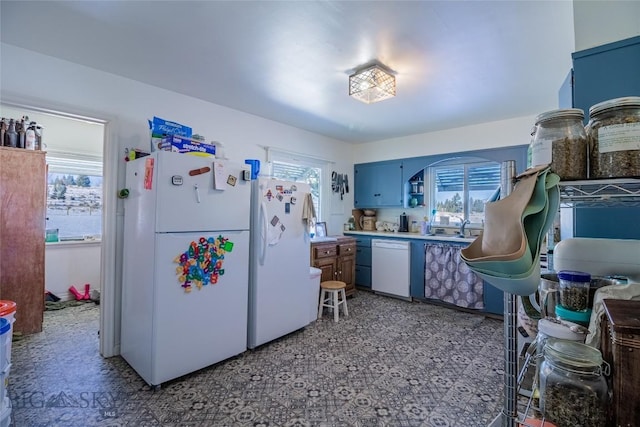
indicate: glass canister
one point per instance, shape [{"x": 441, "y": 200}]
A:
[
  {"x": 574, "y": 289},
  {"x": 351, "y": 223},
  {"x": 559, "y": 139},
  {"x": 559, "y": 329},
  {"x": 573, "y": 390},
  {"x": 614, "y": 138}
]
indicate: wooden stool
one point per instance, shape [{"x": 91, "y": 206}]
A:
[{"x": 330, "y": 297}]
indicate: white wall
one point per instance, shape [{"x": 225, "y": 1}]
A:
[
  {"x": 502, "y": 133},
  {"x": 71, "y": 264},
  {"x": 601, "y": 22}
]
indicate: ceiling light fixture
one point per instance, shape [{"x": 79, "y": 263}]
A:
[{"x": 372, "y": 84}]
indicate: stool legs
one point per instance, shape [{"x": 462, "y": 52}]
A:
[
  {"x": 333, "y": 299},
  {"x": 344, "y": 302},
  {"x": 321, "y": 303}
]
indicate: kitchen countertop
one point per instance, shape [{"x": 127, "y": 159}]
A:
[{"x": 399, "y": 235}]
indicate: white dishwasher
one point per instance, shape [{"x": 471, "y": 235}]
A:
[{"x": 390, "y": 267}]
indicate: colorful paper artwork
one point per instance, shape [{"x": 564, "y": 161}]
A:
[
  {"x": 148, "y": 173},
  {"x": 201, "y": 263}
]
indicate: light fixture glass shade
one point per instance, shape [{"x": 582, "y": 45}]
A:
[{"x": 372, "y": 84}]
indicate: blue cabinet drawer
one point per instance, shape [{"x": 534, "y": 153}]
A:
[
  {"x": 363, "y": 276},
  {"x": 363, "y": 256},
  {"x": 363, "y": 241}
]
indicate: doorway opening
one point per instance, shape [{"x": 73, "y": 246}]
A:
[{"x": 75, "y": 148}]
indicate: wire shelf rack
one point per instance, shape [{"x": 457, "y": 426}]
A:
[{"x": 624, "y": 191}]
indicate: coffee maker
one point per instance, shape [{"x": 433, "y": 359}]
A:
[{"x": 404, "y": 223}]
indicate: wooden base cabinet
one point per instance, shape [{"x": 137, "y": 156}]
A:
[
  {"x": 23, "y": 184},
  {"x": 336, "y": 260}
]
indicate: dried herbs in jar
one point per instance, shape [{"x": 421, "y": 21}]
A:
[
  {"x": 614, "y": 138},
  {"x": 574, "y": 289},
  {"x": 573, "y": 391},
  {"x": 559, "y": 140}
]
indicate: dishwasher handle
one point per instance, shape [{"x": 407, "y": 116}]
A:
[{"x": 390, "y": 244}]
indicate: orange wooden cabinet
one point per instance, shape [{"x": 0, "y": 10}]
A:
[
  {"x": 23, "y": 186},
  {"x": 337, "y": 260}
]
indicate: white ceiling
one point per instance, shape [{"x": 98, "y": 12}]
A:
[{"x": 457, "y": 63}]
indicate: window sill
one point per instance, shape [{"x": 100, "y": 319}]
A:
[{"x": 67, "y": 243}]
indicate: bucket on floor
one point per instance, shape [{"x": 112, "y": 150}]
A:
[
  {"x": 5, "y": 330},
  {"x": 5, "y": 336},
  {"x": 7, "y": 312},
  {"x": 5, "y": 414},
  {"x": 4, "y": 396}
]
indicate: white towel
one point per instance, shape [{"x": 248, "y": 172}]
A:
[
  {"x": 308, "y": 210},
  {"x": 630, "y": 291}
]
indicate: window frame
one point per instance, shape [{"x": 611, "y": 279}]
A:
[
  {"x": 287, "y": 157},
  {"x": 465, "y": 164},
  {"x": 75, "y": 165}
]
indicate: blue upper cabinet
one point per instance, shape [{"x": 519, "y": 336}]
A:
[
  {"x": 599, "y": 74},
  {"x": 606, "y": 72},
  {"x": 378, "y": 184}
]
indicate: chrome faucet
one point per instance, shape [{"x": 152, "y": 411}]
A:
[{"x": 462, "y": 225}]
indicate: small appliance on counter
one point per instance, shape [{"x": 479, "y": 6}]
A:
[{"x": 404, "y": 223}]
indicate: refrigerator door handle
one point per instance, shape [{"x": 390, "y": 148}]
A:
[
  {"x": 197, "y": 190},
  {"x": 263, "y": 232}
]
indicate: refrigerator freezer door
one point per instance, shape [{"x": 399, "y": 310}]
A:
[
  {"x": 186, "y": 198},
  {"x": 208, "y": 324},
  {"x": 278, "y": 302}
]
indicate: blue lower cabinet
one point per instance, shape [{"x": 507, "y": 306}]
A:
[
  {"x": 363, "y": 276},
  {"x": 363, "y": 256},
  {"x": 416, "y": 286},
  {"x": 363, "y": 261},
  {"x": 493, "y": 299}
]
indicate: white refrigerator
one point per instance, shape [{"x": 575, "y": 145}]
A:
[
  {"x": 279, "y": 278},
  {"x": 186, "y": 260}
]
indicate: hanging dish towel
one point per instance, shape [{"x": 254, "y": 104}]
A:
[{"x": 308, "y": 211}]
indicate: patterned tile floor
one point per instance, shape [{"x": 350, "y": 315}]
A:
[{"x": 390, "y": 363}]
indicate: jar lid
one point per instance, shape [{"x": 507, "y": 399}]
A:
[
  {"x": 566, "y": 113},
  {"x": 627, "y": 101},
  {"x": 574, "y": 276},
  {"x": 562, "y": 329},
  {"x": 582, "y": 317},
  {"x": 572, "y": 352}
]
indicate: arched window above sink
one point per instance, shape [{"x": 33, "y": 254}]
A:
[{"x": 459, "y": 188}]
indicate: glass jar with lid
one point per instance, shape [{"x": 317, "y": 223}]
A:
[
  {"x": 574, "y": 289},
  {"x": 573, "y": 390},
  {"x": 614, "y": 138},
  {"x": 559, "y": 140}
]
